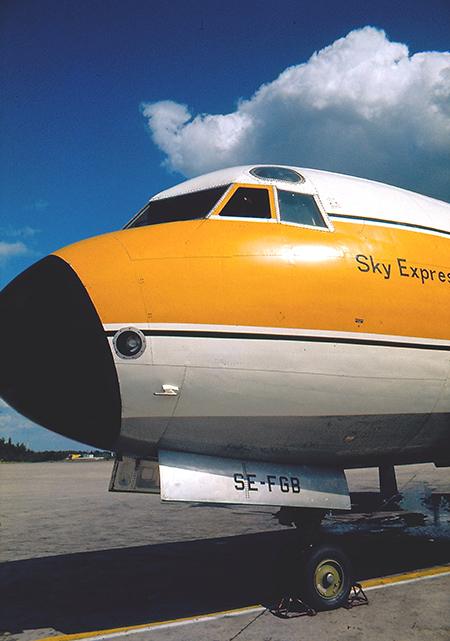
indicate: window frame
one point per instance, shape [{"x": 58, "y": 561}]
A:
[
  {"x": 326, "y": 219},
  {"x": 222, "y": 203}
]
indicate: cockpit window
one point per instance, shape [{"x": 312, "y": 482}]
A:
[
  {"x": 298, "y": 208},
  {"x": 248, "y": 202},
  {"x": 185, "y": 207}
]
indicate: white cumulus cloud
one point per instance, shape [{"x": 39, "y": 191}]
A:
[
  {"x": 18, "y": 248},
  {"x": 16, "y": 243},
  {"x": 10, "y": 250},
  {"x": 361, "y": 106}
]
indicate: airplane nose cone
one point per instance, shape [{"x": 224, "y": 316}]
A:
[{"x": 56, "y": 367}]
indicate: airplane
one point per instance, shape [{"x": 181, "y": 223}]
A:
[{"x": 245, "y": 338}]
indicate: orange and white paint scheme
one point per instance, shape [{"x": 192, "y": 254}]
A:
[{"x": 271, "y": 314}]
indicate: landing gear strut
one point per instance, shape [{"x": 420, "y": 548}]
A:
[
  {"x": 388, "y": 482},
  {"x": 319, "y": 574}
]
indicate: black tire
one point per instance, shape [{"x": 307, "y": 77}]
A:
[{"x": 327, "y": 577}]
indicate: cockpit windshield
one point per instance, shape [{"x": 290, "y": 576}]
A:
[
  {"x": 269, "y": 198},
  {"x": 185, "y": 207},
  {"x": 300, "y": 209}
]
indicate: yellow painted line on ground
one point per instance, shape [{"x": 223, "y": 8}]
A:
[
  {"x": 396, "y": 579},
  {"x": 371, "y": 584},
  {"x": 105, "y": 634}
]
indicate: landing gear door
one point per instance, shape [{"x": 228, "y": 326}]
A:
[
  {"x": 132, "y": 474},
  {"x": 194, "y": 477}
]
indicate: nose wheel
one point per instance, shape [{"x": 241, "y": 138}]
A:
[{"x": 325, "y": 577}]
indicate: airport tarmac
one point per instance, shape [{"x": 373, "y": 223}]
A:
[{"x": 76, "y": 560}]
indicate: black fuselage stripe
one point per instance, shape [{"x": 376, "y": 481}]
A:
[
  {"x": 392, "y": 223},
  {"x": 286, "y": 337}
]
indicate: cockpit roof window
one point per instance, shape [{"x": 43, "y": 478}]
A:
[
  {"x": 300, "y": 209},
  {"x": 278, "y": 173},
  {"x": 185, "y": 207}
]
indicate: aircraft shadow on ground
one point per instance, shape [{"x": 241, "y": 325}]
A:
[{"x": 138, "y": 585}]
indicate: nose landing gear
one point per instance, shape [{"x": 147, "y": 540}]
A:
[
  {"x": 326, "y": 577},
  {"x": 319, "y": 574}
]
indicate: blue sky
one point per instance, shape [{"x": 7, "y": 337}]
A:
[{"x": 107, "y": 102}]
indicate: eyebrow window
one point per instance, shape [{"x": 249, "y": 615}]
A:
[
  {"x": 300, "y": 209},
  {"x": 247, "y": 202}
]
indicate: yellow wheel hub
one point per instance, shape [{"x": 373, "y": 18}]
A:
[{"x": 329, "y": 578}]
